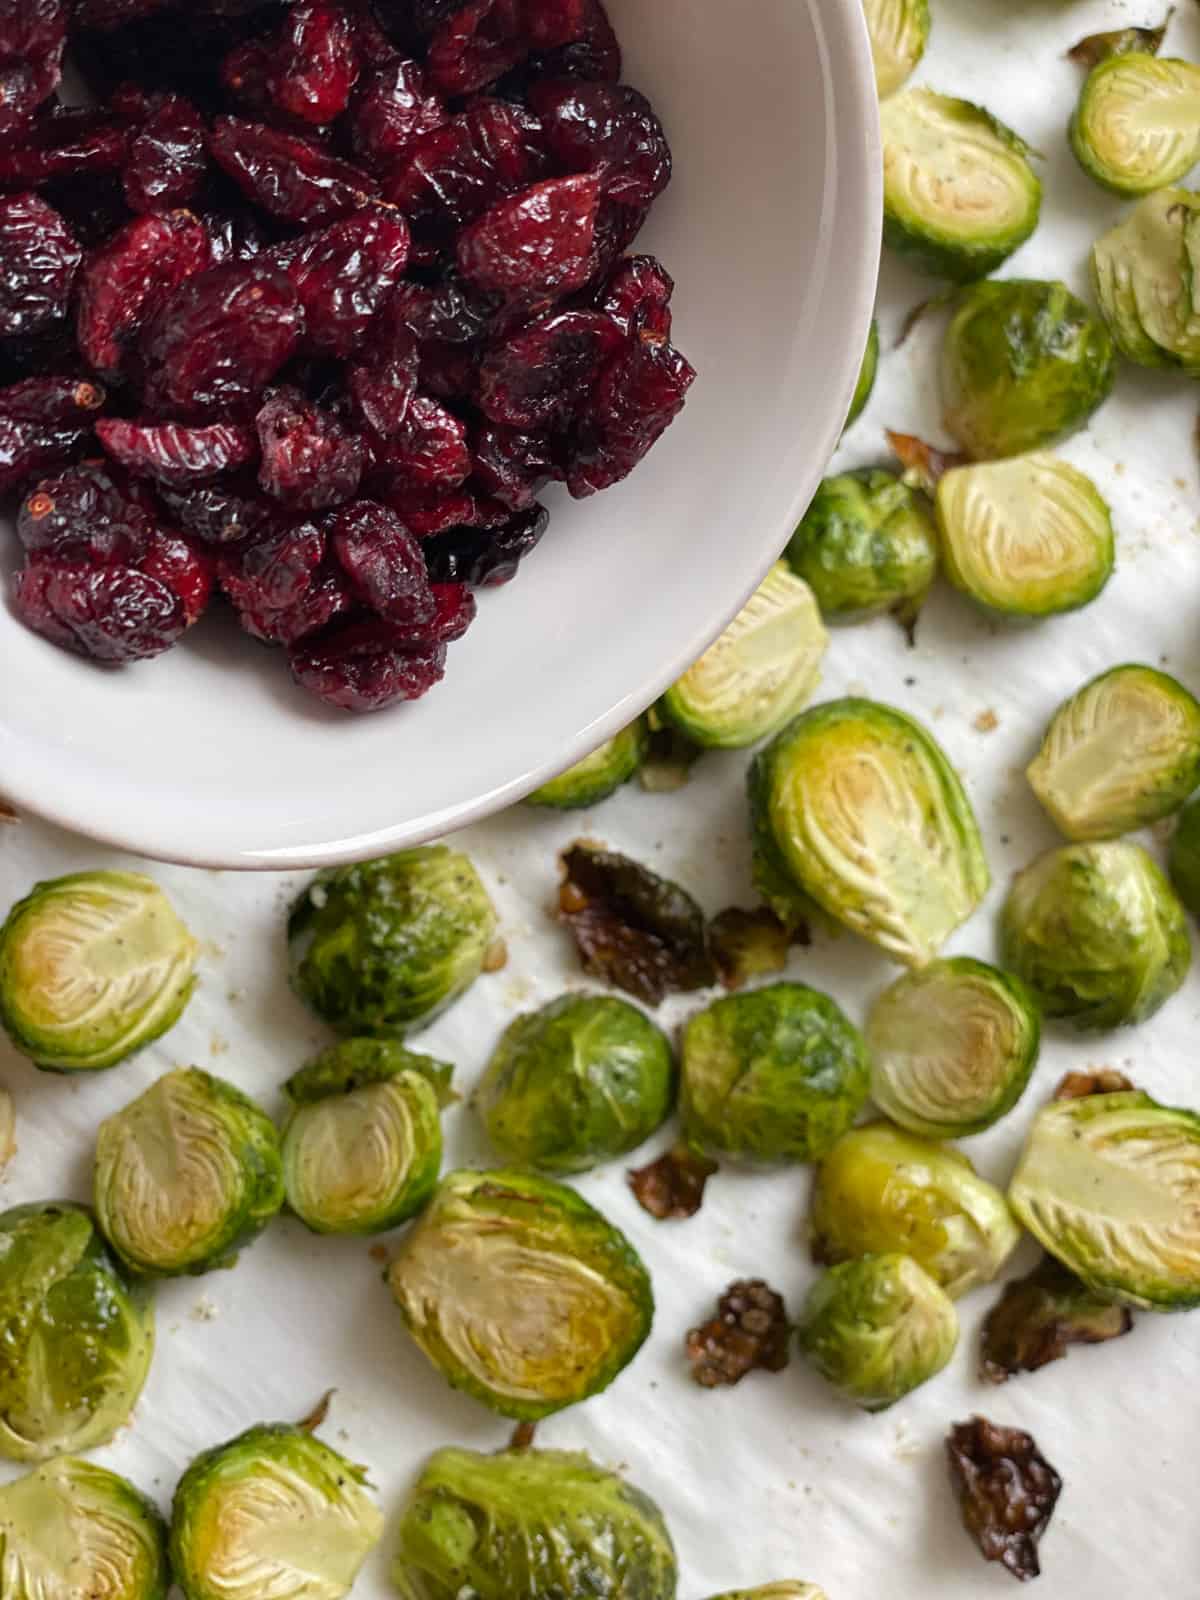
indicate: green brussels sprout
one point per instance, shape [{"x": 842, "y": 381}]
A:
[
  {"x": 1096, "y": 933},
  {"x": 92, "y": 967},
  {"x": 186, "y": 1175},
  {"x": 867, "y": 543},
  {"x": 784, "y": 1589},
  {"x": 878, "y": 1328},
  {"x": 760, "y": 671},
  {"x": 1144, "y": 277},
  {"x": 880, "y": 1190},
  {"x": 70, "y": 1530},
  {"x": 775, "y": 1074},
  {"x": 597, "y": 776},
  {"x": 1122, "y": 752},
  {"x": 382, "y": 948},
  {"x": 952, "y": 1047},
  {"x": 76, "y": 1335},
  {"x": 1110, "y": 1185},
  {"x": 1027, "y": 537},
  {"x": 530, "y": 1525},
  {"x": 856, "y": 809},
  {"x": 1183, "y": 861},
  {"x": 899, "y": 32},
  {"x": 362, "y": 1146},
  {"x": 585, "y": 1079},
  {"x": 272, "y": 1512},
  {"x": 866, "y": 377},
  {"x": 1023, "y": 363},
  {"x": 959, "y": 195},
  {"x": 1136, "y": 127},
  {"x": 520, "y": 1293}
]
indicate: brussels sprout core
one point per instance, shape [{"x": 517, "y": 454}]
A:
[
  {"x": 1143, "y": 271},
  {"x": 866, "y": 376},
  {"x": 1137, "y": 125},
  {"x": 597, "y": 776},
  {"x": 867, "y": 543},
  {"x": 899, "y": 31}
]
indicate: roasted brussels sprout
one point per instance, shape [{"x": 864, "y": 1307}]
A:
[
  {"x": 1096, "y": 933},
  {"x": 362, "y": 1146},
  {"x": 959, "y": 195},
  {"x": 1122, "y": 752},
  {"x": 1028, "y": 537},
  {"x": 380, "y": 949},
  {"x": 899, "y": 32},
  {"x": 92, "y": 967},
  {"x": 866, "y": 543},
  {"x": 952, "y": 1047},
  {"x": 878, "y": 1328},
  {"x": 866, "y": 377},
  {"x": 856, "y": 809},
  {"x": 520, "y": 1292},
  {"x": 760, "y": 671},
  {"x": 76, "y": 1336},
  {"x": 530, "y": 1525},
  {"x": 585, "y": 1079},
  {"x": 775, "y": 1074},
  {"x": 1143, "y": 275},
  {"x": 1183, "y": 862},
  {"x": 879, "y": 1191},
  {"x": 272, "y": 1512},
  {"x": 1110, "y": 1185},
  {"x": 784, "y": 1589},
  {"x": 70, "y": 1530},
  {"x": 597, "y": 776},
  {"x": 186, "y": 1175},
  {"x": 1023, "y": 363},
  {"x": 1136, "y": 127}
]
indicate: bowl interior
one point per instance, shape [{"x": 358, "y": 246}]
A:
[{"x": 771, "y": 229}]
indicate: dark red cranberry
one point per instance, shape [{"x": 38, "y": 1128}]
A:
[
  {"x": 172, "y": 453},
  {"x": 343, "y": 275},
  {"x": 129, "y": 279},
  {"x": 593, "y": 54},
  {"x": 30, "y": 28},
  {"x": 66, "y": 145},
  {"x": 364, "y": 666},
  {"x": 314, "y": 63},
  {"x": 485, "y": 558},
  {"x": 290, "y": 177},
  {"x": 185, "y": 568},
  {"x": 84, "y": 514},
  {"x": 455, "y": 171},
  {"x": 638, "y": 395},
  {"x": 270, "y": 579},
  {"x": 27, "y": 448},
  {"x": 309, "y": 460},
  {"x": 221, "y": 513},
  {"x": 383, "y": 562},
  {"x": 430, "y": 450},
  {"x": 426, "y": 512},
  {"x": 56, "y": 401},
  {"x": 512, "y": 464},
  {"x": 637, "y": 296},
  {"x": 609, "y": 129},
  {"x": 382, "y": 383},
  {"x": 167, "y": 160},
  {"x": 110, "y": 614},
  {"x": 476, "y": 44},
  {"x": 617, "y": 227},
  {"x": 452, "y": 313},
  {"x": 39, "y": 257},
  {"x": 535, "y": 242},
  {"x": 392, "y": 107},
  {"x": 455, "y": 611},
  {"x": 541, "y": 374}
]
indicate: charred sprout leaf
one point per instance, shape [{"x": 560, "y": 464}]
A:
[
  {"x": 672, "y": 1188},
  {"x": 866, "y": 376},
  {"x": 867, "y": 543},
  {"x": 750, "y": 944},
  {"x": 597, "y": 776},
  {"x": 1006, "y": 1491},
  {"x": 1098, "y": 47},
  {"x": 1183, "y": 860},
  {"x": 749, "y": 1331},
  {"x": 8, "y": 812},
  {"x": 670, "y": 756},
  {"x": 1103, "y": 1080},
  {"x": 319, "y": 1413},
  {"x": 924, "y": 464},
  {"x": 1037, "y": 1318},
  {"x": 1136, "y": 127},
  {"x": 632, "y": 928},
  {"x": 899, "y": 32},
  {"x": 1143, "y": 274}
]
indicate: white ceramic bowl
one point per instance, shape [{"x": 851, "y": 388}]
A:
[{"x": 771, "y": 228}]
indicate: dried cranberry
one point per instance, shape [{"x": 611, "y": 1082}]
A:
[
  {"x": 221, "y": 513},
  {"x": 39, "y": 257},
  {"x": 430, "y": 451},
  {"x": 609, "y": 129},
  {"x": 309, "y": 460},
  {"x": 287, "y": 175},
  {"x": 343, "y": 275},
  {"x": 542, "y": 373},
  {"x": 383, "y": 562},
  {"x": 54, "y": 400},
  {"x": 454, "y": 611},
  {"x": 314, "y": 65},
  {"x": 186, "y": 569},
  {"x": 594, "y": 53},
  {"x": 453, "y": 313},
  {"x": 269, "y": 578},
  {"x": 361, "y": 667},
  {"x": 30, "y": 28},
  {"x": 127, "y": 282},
  {"x": 381, "y": 386},
  {"x": 63, "y": 146},
  {"x": 174, "y": 454},
  {"x": 392, "y": 107},
  {"x": 637, "y": 296},
  {"x": 454, "y": 172},
  {"x": 485, "y": 558},
  {"x": 534, "y": 242},
  {"x": 24, "y": 86},
  {"x": 426, "y": 512},
  {"x": 512, "y": 464},
  {"x": 116, "y": 13},
  {"x": 475, "y": 45},
  {"x": 372, "y": 43},
  {"x": 30, "y": 447},
  {"x": 111, "y": 614},
  {"x": 246, "y": 76},
  {"x": 166, "y": 161},
  {"x": 84, "y": 514},
  {"x": 638, "y": 395},
  {"x": 549, "y": 24},
  {"x": 616, "y": 228},
  {"x": 235, "y": 233}
]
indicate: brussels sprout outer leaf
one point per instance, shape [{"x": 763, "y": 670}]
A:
[
  {"x": 1006, "y": 1490},
  {"x": 1183, "y": 861},
  {"x": 866, "y": 375},
  {"x": 1039, "y": 1317},
  {"x": 899, "y": 31},
  {"x": 1143, "y": 274},
  {"x": 598, "y": 775},
  {"x": 357, "y": 1063},
  {"x": 1136, "y": 127}
]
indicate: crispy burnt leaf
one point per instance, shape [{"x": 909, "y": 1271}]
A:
[
  {"x": 1100, "y": 1080},
  {"x": 749, "y": 1330},
  {"x": 1006, "y": 1490},
  {"x": 923, "y": 463},
  {"x": 1037, "y": 1318},
  {"x": 672, "y": 1188},
  {"x": 1098, "y": 47},
  {"x": 748, "y": 944}
]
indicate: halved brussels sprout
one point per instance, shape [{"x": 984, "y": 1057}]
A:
[
  {"x": 759, "y": 673},
  {"x": 362, "y": 1146},
  {"x": 186, "y": 1175},
  {"x": 1137, "y": 124},
  {"x": 877, "y": 1329},
  {"x": 1096, "y": 933},
  {"x": 92, "y": 967},
  {"x": 272, "y": 1512},
  {"x": 856, "y": 808},
  {"x": 775, "y": 1074},
  {"x": 73, "y": 1531},
  {"x": 597, "y": 776},
  {"x": 1183, "y": 861},
  {"x": 1110, "y": 1184},
  {"x": 1027, "y": 537},
  {"x": 880, "y": 1191},
  {"x": 1122, "y": 752},
  {"x": 866, "y": 377},
  {"x": 784, "y": 1589},
  {"x": 1144, "y": 276},
  {"x": 952, "y": 1047},
  {"x": 530, "y": 1525},
  {"x": 76, "y": 1336},
  {"x": 1023, "y": 363},
  {"x": 521, "y": 1293},
  {"x": 585, "y": 1079},
  {"x": 866, "y": 543},
  {"x": 899, "y": 32},
  {"x": 959, "y": 195},
  {"x": 382, "y": 948}
]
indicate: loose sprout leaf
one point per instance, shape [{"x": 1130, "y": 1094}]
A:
[
  {"x": 899, "y": 31},
  {"x": 318, "y": 1414},
  {"x": 1097, "y": 47},
  {"x": 1006, "y": 1490},
  {"x": 750, "y": 1331},
  {"x": 1039, "y": 1317},
  {"x": 1100, "y": 1080},
  {"x": 1143, "y": 275},
  {"x": 671, "y": 1188},
  {"x": 751, "y": 944},
  {"x": 1136, "y": 127}
]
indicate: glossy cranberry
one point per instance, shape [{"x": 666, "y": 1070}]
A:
[
  {"x": 452, "y": 313},
  {"x": 426, "y": 512},
  {"x": 541, "y": 374},
  {"x": 392, "y": 108},
  {"x": 382, "y": 383},
  {"x": 289, "y": 176},
  {"x": 166, "y": 160},
  {"x": 52, "y": 400},
  {"x": 111, "y": 614},
  {"x": 637, "y": 296},
  {"x": 314, "y": 63},
  {"x": 27, "y": 448},
  {"x": 84, "y": 514},
  {"x": 455, "y": 611},
  {"x": 128, "y": 281},
  {"x": 511, "y": 463},
  {"x": 364, "y": 666},
  {"x": 383, "y": 562},
  {"x": 269, "y": 578},
  {"x": 475, "y": 45},
  {"x": 175, "y": 454},
  {"x": 638, "y": 395},
  {"x": 221, "y": 513},
  {"x": 343, "y": 275},
  {"x": 486, "y": 558},
  {"x": 455, "y": 171},
  {"x": 593, "y": 54},
  {"x": 32, "y": 36},
  {"x": 535, "y": 242},
  {"x": 185, "y": 568},
  {"x": 63, "y": 146},
  {"x": 609, "y": 129},
  {"x": 430, "y": 450},
  {"x": 39, "y": 258},
  {"x": 309, "y": 460}
]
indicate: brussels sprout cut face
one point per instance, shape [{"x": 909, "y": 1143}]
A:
[
  {"x": 527, "y": 1525},
  {"x": 76, "y": 1336},
  {"x": 520, "y": 1292},
  {"x": 585, "y": 1079},
  {"x": 878, "y": 1329},
  {"x": 1111, "y": 1186},
  {"x": 776, "y": 1074},
  {"x": 857, "y": 809},
  {"x": 959, "y": 195},
  {"x": 186, "y": 1175},
  {"x": 1028, "y": 537},
  {"x": 866, "y": 376},
  {"x": 1183, "y": 863},
  {"x": 1143, "y": 273},
  {"x": 785, "y": 1589},
  {"x": 952, "y": 1047},
  {"x": 880, "y": 1191},
  {"x": 899, "y": 31},
  {"x": 597, "y": 776},
  {"x": 92, "y": 967},
  {"x": 1096, "y": 933},
  {"x": 759, "y": 673},
  {"x": 1023, "y": 363},
  {"x": 273, "y": 1512},
  {"x": 1137, "y": 125}
]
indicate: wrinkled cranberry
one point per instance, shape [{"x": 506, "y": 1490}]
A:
[
  {"x": 314, "y": 64},
  {"x": 186, "y": 569},
  {"x": 343, "y": 275},
  {"x": 127, "y": 282},
  {"x": 309, "y": 460},
  {"x": 475, "y": 45},
  {"x": 455, "y": 171},
  {"x": 383, "y": 562},
  {"x": 616, "y": 228},
  {"x": 430, "y": 450},
  {"x": 512, "y": 464},
  {"x": 549, "y": 24},
  {"x": 221, "y": 513},
  {"x": 63, "y": 146},
  {"x": 609, "y": 129},
  {"x": 39, "y": 257},
  {"x": 454, "y": 611},
  {"x": 289, "y": 176},
  {"x": 535, "y": 242},
  {"x": 30, "y": 447},
  {"x": 542, "y": 373},
  {"x": 593, "y": 53},
  {"x": 268, "y": 578},
  {"x": 84, "y": 514},
  {"x": 55, "y": 400},
  {"x": 453, "y": 313},
  {"x": 32, "y": 36},
  {"x": 174, "y": 454},
  {"x": 116, "y": 13},
  {"x": 426, "y": 512},
  {"x": 637, "y": 296},
  {"x": 111, "y": 614},
  {"x": 392, "y": 108},
  {"x": 246, "y": 75},
  {"x": 363, "y": 667},
  {"x": 235, "y": 233},
  {"x": 167, "y": 161},
  {"x": 370, "y": 40},
  {"x": 638, "y": 395},
  {"x": 381, "y": 384},
  {"x": 485, "y": 558}
]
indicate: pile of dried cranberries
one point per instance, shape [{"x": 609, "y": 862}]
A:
[{"x": 305, "y": 308}]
